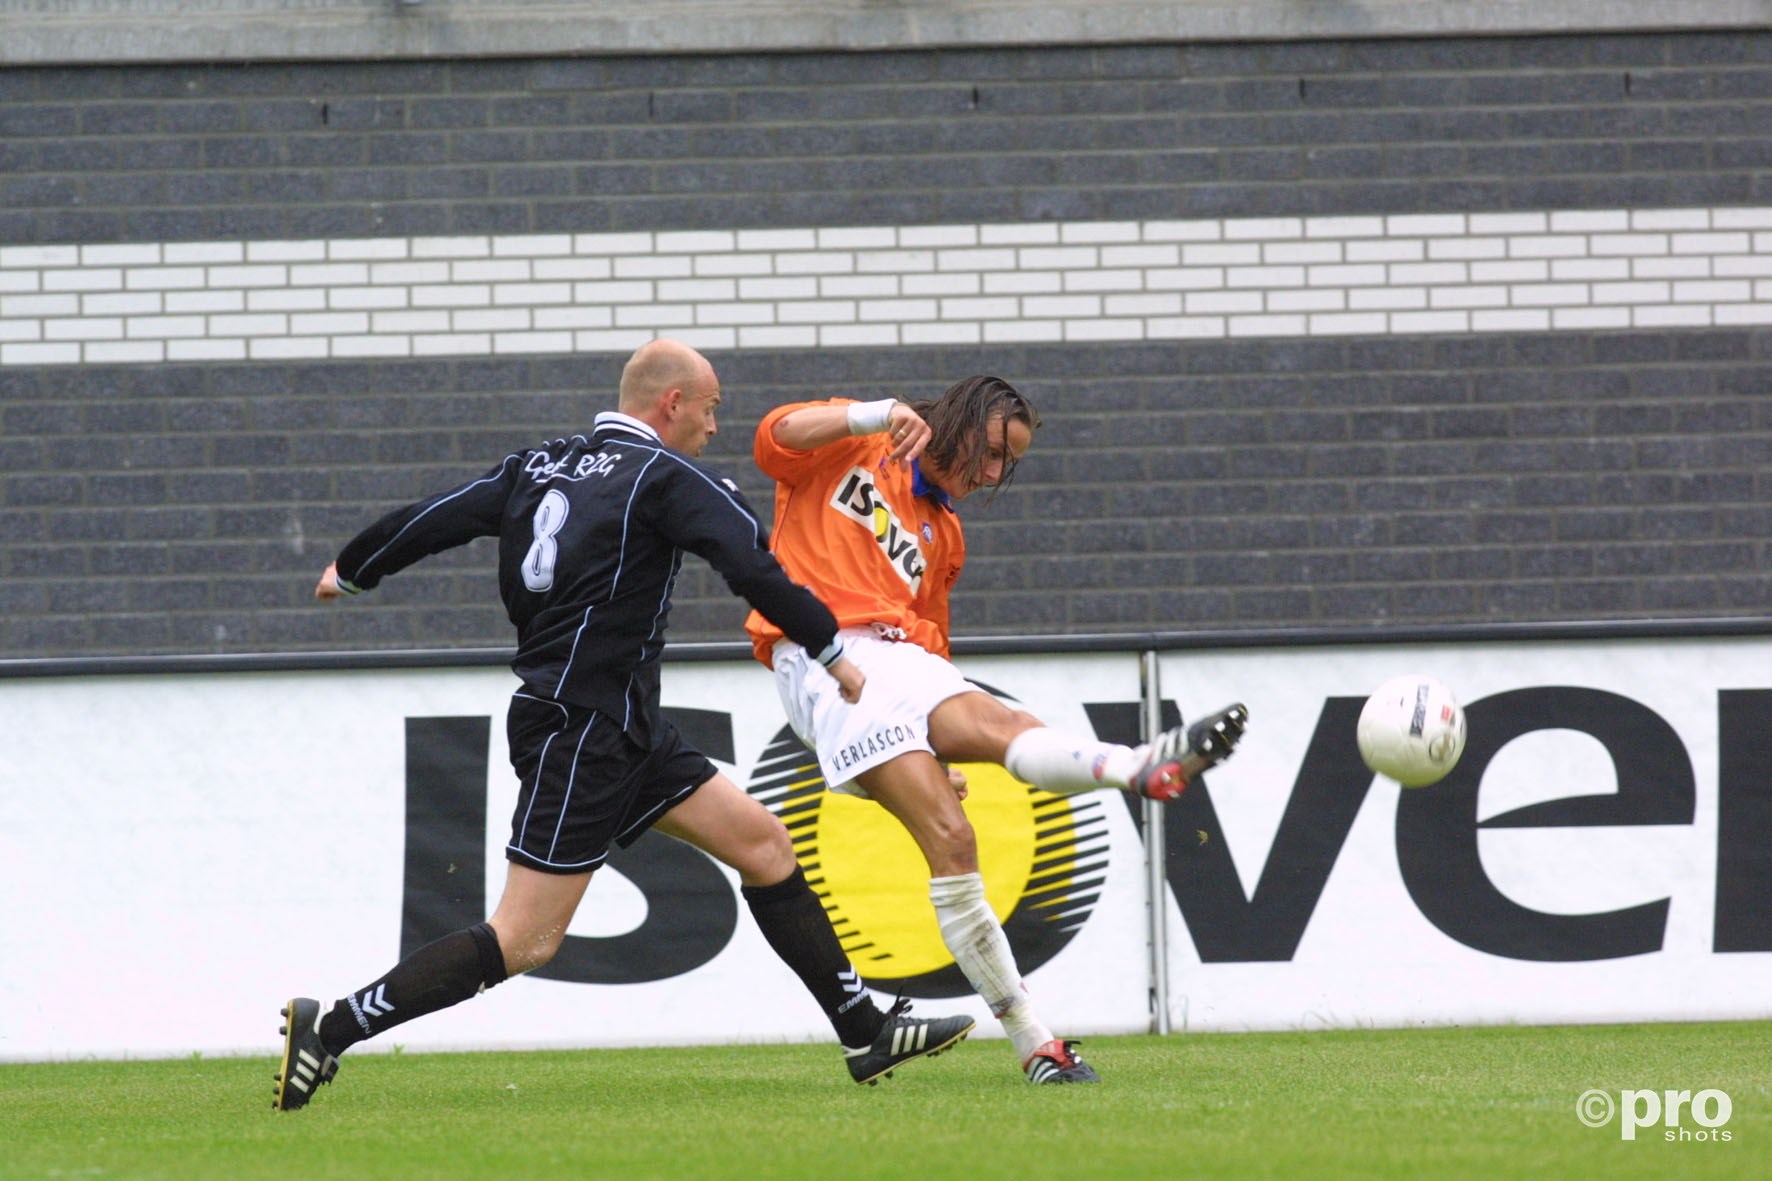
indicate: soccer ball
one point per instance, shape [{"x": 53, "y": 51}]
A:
[{"x": 1411, "y": 729}]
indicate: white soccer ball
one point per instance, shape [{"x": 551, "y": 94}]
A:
[{"x": 1412, "y": 729}]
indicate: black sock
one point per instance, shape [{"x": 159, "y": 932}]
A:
[
  {"x": 439, "y": 974},
  {"x": 794, "y": 922}
]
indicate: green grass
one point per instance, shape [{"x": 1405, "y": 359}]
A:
[{"x": 1490, "y": 1103}]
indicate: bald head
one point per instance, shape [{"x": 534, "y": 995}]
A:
[
  {"x": 657, "y": 368},
  {"x": 673, "y": 388}
]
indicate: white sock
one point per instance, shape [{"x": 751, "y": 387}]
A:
[
  {"x": 980, "y": 948},
  {"x": 1065, "y": 764}
]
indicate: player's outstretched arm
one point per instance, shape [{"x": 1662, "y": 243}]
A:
[
  {"x": 812, "y": 427},
  {"x": 430, "y": 526}
]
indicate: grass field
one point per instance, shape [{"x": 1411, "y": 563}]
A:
[{"x": 1491, "y": 1103}]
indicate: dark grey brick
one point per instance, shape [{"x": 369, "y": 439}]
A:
[
  {"x": 491, "y": 217},
  {"x": 1595, "y": 523},
  {"x": 24, "y": 598},
  {"x": 1598, "y": 598},
  {"x": 87, "y": 597},
  {"x": 1745, "y": 592},
  {"x": 29, "y": 119},
  {"x": 79, "y": 225},
  {"x": 119, "y": 489},
  {"x": 82, "y": 524},
  {"x": 1473, "y": 492},
  {"x": 1554, "y": 561},
  {"x": 36, "y": 635},
  {"x": 130, "y": 561},
  {"x": 1714, "y": 487},
  {"x": 131, "y": 632},
  {"x": 1517, "y": 599},
  {"x": 167, "y": 524},
  {"x": 46, "y": 561},
  {"x": 330, "y": 221},
  {"x": 1473, "y": 564},
  {"x": 46, "y": 489},
  {"x": 1551, "y": 491},
  {"x": 1677, "y": 594}
]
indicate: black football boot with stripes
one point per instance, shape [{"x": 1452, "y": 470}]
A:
[
  {"x": 1178, "y": 756},
  {"x": 306, "y": 1064},
  {"x": 902, "y": 1038},
  {"x": 1057, "y": 1062}
]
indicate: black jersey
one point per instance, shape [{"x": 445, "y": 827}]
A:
[{"x": 591, "y": 534}]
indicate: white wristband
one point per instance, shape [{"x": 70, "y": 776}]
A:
[
  {"x": 832, "y": 653},
  {"x": 870, "y": 418}
]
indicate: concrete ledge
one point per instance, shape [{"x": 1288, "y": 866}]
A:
[{"x": 68, "y": 32}]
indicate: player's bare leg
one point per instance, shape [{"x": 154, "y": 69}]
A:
[
  {"x": 916, "y": 789},
  {"x": 533, "y": 914},
  {"x": 728, "y": 825}
]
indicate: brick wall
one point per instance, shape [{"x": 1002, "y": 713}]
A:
[{"x": 1324, "y": 333}]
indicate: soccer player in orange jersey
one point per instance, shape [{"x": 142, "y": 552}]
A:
[{"x": 864, "y": 516}]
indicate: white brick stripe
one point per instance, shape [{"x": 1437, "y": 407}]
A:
[{"x": 876, "y": 286}]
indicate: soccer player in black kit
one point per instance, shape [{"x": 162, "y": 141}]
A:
[{"x": 591, "y": 533}]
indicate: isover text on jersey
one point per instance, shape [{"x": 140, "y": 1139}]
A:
[{"x": 858, "y": 499}]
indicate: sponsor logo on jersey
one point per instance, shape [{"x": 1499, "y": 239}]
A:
[{"x": 859, "y": 499}]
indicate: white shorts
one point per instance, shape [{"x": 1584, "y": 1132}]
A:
[{"x": 904, "y": 685}]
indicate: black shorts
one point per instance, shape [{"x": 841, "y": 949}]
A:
[{"x": 584, "y": 783}]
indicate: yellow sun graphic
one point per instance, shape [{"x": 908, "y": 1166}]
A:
[
  {"x": 878, "y": 882},
  {"x": 1043, "y": 858}
]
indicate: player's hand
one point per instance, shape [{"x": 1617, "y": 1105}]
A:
[
  {"x": 910, "y": 434},
  {"x": 850, "y": 679},
  {"x": 327, "y": 589},
  {"x": 957, "y": 781}
]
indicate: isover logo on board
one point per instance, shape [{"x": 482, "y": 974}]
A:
[
  {"x": 858, "y": 499},
  {"x": 1043, "y": 858}
]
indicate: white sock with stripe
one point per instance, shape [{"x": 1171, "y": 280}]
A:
[
  {"x": 980, "y": 948},
  {"x": 1066, "y": 764}
]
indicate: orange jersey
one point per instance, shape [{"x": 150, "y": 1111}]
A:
[{"x": 849, "y": 526}]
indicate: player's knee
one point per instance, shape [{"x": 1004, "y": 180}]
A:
[
  {"x": 526, "y": 951},
  {"x": 950, "y": 846},
  {"x": 769, "y": 857}
]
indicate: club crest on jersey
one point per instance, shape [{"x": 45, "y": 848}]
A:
[{"x": 858, "y": 499}]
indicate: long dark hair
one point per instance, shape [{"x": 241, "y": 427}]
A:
[{"x": 960, "y": 421}]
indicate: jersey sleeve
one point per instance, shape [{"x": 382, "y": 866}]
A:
[
  {"x": 429, "y": 526},
  {"x": 790, "y": 466},
  {"x": 705, "y": 514}
]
